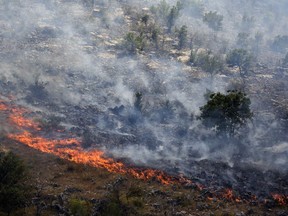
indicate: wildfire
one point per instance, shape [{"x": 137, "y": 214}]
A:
[
  {"x": 229, "y": 195},
  {"x": 280, "y": 199},
  {"x": 22, "y": 122},
  {"x": 72, "y": 150}
]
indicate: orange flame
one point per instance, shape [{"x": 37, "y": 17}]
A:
[
  {"x": 280, "y": 199},
  {"x": 22, "y": 122},
  {"x": 229, "y": 195},
  {"x": 71, "y": 149}
]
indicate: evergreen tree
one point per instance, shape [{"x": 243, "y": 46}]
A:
[
  {"x": 226, "y": 113},
  {"x": 182, "y": 37},
  {"x": 213, "y": 20}
]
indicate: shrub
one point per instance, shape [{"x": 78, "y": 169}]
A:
[
  {"x": 79, "y": 207},
  {"x": 134, "y": 42},
  {"x": 13, "y": 191},
  {"x": 209, "y": 62},
  {"x": 240, "y": 58}
]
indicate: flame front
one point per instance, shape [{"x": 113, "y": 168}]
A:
[{"x": 72, "y": 150}]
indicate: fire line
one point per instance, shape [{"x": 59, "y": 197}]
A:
[{"x": 72, "y": 150}]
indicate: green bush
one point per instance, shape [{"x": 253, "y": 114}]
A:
[
  {"x": 79, "y": 207},
  {"x": 133, "y": 42},
  {"x": 209, "y": 62},
  {"x": 113, "y": 205},
  {"x": 13, "y": 191}
]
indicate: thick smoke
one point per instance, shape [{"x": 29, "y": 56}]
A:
[{"x": 63, "y": 57}]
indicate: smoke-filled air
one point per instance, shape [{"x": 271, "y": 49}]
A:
[{"x": 191, "y": 90}]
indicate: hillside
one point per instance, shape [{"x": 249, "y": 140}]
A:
[
  {"x": 147, "y": 107},
  {"x": 55, "y": 182}
]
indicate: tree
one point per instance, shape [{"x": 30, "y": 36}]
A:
[
  {"x": 240, "y": 58},
  {"x": 162, "y": 10},
  {"x": 213, "y": 20},
  {"x": 166, "y": 14},
  {"x": 226, "y": 113},
  {"x": 12, "y": 189},
  {"x": 171, "y": 19},
  {"x": 138, "y": 101},
  {"x": 182, "y": 37}
]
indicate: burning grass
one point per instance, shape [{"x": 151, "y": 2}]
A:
[
  {"x": 70, "y": 149},
  {"x": 53, "y": 177}
]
